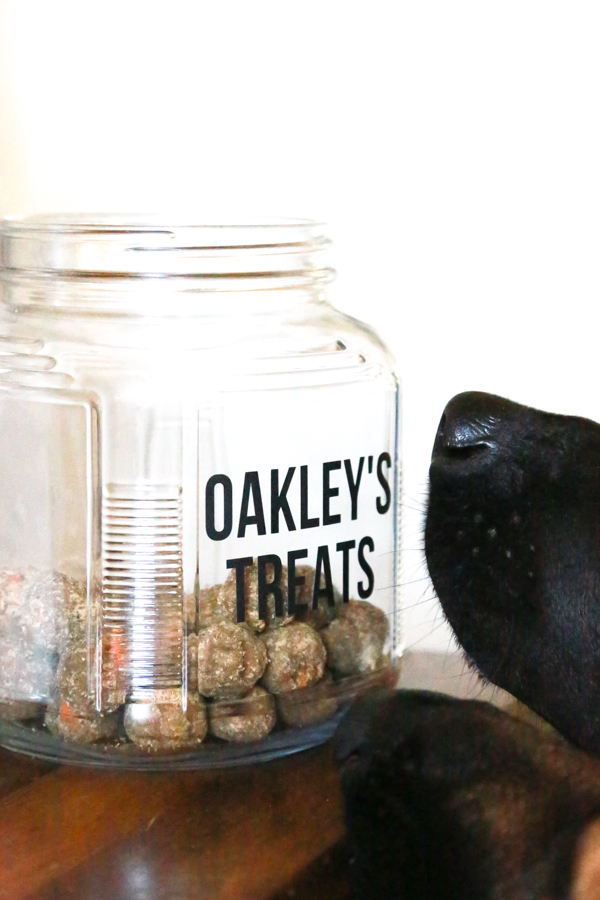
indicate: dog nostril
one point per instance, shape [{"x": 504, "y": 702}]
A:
[{"x": 462, "y": 453}]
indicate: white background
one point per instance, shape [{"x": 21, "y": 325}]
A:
[{"x": 453, "y": 147}]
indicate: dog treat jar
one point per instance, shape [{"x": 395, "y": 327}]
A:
[{"x": 198, "y": 482}]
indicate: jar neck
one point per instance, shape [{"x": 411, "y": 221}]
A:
[
  {"x": 130, "y": 266},
  {"x": 144, "y": 298}
]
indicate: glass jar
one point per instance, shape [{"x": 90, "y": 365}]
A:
[{"x": 198, "y": 483}]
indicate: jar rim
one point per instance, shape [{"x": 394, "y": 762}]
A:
[
  {"x": 111, "y": 244},
  {"x": 127, "y": 223}
]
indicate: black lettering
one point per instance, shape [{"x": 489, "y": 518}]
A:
[
  {"x": 305, "y": 522},
  {"x": 345, "y": 547},
  {"x": 294, "y": 581},
  {"x": 383, "y": 507},
  {"x": 279, "y": 500},
  {"x": 240, "y": 589},
  {"x": 323, "y": 567},
  {"x": 269, "y": 587},
  {"x": 364, "y": 592},
  {"x": 352, "y": 484},
  {"x": 211, "y": 530},
  {"x": 251, "y": 486},
  {"x": 329, "y": 492}
]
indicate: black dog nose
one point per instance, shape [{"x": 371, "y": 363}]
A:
[
  {"x": 470, "y": 424},
  {"x": 469, "y": 419}
]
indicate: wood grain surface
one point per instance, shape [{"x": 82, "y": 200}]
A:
[{"x": 264, "y": 832}]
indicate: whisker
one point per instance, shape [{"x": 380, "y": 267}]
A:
[
  {"x": 418, "y": 603},
  {"x": 425, "y": 636},
  {"x": 415, "y": 581},
  {"x": 492, "y": 677}
]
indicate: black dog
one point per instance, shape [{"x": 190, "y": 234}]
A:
[{"x": 455, "y": 799}]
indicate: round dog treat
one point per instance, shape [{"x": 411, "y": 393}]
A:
[
  {"x": 30, "y": 602},
  {"x": 20, "y": 710},
  {"x": 304, "y": 591},
  {"x": 61, "y": 720},
  {"x": 37, "y": 610},
  {"x": 11, "y": 589},
  {"x": 224, "y": 605},
  {"x": 27, "y": 670},
  {"x": 189, "y": 612},
  {"x": 297, "y": 658},
  {"x": 308, "y": 705},
  {"x": 165, "y": 727},
  {"x": 244, "y": 720},
  {"x": 73, "y": 683},
  {"x": 192, "y": 661},
  {"x": 304, "y": 612},
  {"x": 209, "y": 608},
  {"x": 55, "y": 606},
  {"x": 356, "y": 639},
  {"x": 231, "y": 659}
]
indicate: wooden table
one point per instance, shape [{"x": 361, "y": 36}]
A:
[{"x": 268, "y": 832}]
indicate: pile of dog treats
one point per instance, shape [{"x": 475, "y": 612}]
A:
[{"x": 243, "y": 679}]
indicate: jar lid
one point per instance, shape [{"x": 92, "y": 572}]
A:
[{"x": 107, "y": 245}]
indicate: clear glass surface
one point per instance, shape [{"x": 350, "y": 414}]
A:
[{"x": 198, "y": 493}]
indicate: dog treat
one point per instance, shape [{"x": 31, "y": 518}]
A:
[
  {"x": 297, "y": 658},
  {"x": 355, "y": 640},
  {"x": 241, "y": 677},
  {"x": 72, "y": 712},
  {"x": 192, "y": 662},
  {"x": 308, "y": 705},
  {"x": 62, "y": 597},
  {"x": 304, "y": 612},
  {"x": 244, "y": 720},
  {"x": 231, "y": 659},
  {"x": 27, "y": 670},
  {"x": 209, "y": 608},
  {"x": 189, "y": 613},
  {"x": 223, "y": 603},
  {"x": 15, "y": 617},
  {"x": 63, "y": 721},
  {"x": 39, "y": 614},
  {"x": 73, "y": 682},
  {"x": 165, "y": 727},
  {"x": 47, "y": 606},
  {"x": 20, "y": 710}
]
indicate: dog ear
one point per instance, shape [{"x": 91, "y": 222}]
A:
[{"x": 586, "y": 869}]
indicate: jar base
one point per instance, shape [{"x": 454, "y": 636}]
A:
[
  {"x": 212, "y": 754},
  {"x": 19, "y": 739}
]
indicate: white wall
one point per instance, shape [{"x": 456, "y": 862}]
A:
[{"x": 454, "y": 148}]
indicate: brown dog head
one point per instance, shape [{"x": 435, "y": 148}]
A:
[{"x": 452, "y": 799}]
